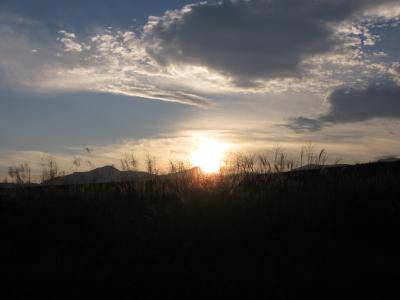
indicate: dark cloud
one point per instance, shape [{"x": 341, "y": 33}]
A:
[
  {"x": 302, "y": 124},
  {"x": 377, "y": 100},
  {"x": 249, "y": 40}
]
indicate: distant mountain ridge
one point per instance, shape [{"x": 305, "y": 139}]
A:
[
  {"x": 99, "y": 175},
  {"x": 109, "y": 174},
  {"x": 388, "y": 159},
  {"x": 317, "y": 167}
]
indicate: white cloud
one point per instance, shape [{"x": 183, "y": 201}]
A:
[{"x": 70, "y": 42}]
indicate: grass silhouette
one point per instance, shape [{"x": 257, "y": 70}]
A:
[{"x": 259, "y": 228}]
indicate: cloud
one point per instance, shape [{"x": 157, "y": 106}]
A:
[
  {"x": 250, "y": 40},
  {"x": 33, "y": 60},
  {"x": 379, "y": 99},
  {"x": 70, "y": 42},
  {"x": 194, "y": 55},
  {"x": 388, "y": 11},
  {"x": 303, "y": 124}
]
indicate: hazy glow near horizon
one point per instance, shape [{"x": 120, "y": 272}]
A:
[{"x": 209, "y": 155}]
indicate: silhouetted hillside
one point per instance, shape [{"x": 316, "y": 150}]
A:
[
  {"x": 109, "y": 174},
  {"x": 319, "y": 167},
  {"x": 99, "y": 175}
]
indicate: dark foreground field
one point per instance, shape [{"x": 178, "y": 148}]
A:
[{"x": 330, "y": 233}]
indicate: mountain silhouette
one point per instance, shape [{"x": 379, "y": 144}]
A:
[
  {"x": 109, "y": 174},
  {"x": 99, "y": 175}
]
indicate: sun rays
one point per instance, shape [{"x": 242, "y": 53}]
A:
[{"x": 209, "y": 155}]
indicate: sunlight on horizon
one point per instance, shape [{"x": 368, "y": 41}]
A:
[{"x": 209, "y": 155}]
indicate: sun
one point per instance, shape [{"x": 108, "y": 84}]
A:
[{"x": 209, "y": 155}]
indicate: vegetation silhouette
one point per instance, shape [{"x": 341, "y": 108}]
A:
[{"x": 278, "y": 228}]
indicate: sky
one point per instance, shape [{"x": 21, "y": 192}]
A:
[{"x": 157, "y": 77}]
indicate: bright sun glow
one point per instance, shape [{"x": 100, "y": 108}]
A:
[{"x": 209, "y": 154}]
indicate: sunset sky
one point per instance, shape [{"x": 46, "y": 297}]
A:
[{"x": 162, "y": 76}]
